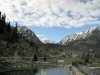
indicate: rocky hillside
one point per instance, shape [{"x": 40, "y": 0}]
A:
[
  {"x": 29, "y": 34},
  {"x": 76, "y": 36}
]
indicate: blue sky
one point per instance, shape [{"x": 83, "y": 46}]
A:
[{"x": 53, "y": 19}]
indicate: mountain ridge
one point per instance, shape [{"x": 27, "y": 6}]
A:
[{"x": 76, "y": 36}]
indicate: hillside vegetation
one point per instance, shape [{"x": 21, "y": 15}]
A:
[{"x": 11, "y": 40}]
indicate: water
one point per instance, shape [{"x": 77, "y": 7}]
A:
[
  {"x": 36, "y": 71},
  {"x": 95, "y": 71}
]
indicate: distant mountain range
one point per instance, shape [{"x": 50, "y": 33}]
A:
[
  {"x": 79, "y": 41},
  {"x": 89, "y": 39}
]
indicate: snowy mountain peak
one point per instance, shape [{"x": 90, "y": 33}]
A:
[
  {"x": 76, "y": 36},
  {"x": 47, "y": 40}
]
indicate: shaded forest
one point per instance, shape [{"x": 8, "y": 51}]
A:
[{"x": 11, "y": 41}]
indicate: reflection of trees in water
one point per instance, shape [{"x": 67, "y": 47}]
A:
[
  {"x": 35, "y": 70},
  {"x": 31, "y": 72},
  {"x": 38, "y": 71},
  {"x": 43, "y": 72}
]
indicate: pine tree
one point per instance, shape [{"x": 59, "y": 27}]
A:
[
  {"x": 8, "y": 32},
  {"x": 2, "y": 23},
  {"x": 15, "y": 34},
  {"x": 9, "y": 27},
  {"x": 0, "y": 15},
  {"x": 35, "y": 58}
]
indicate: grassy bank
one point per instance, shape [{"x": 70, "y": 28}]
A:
[
  {"x": 67, "y": 60},
  {"x": 94, "y": 65}
]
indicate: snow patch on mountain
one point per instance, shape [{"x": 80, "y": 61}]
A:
[{"x": 47, "y": 40}]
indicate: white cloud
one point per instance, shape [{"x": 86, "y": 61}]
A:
[{"x": 52, "y": 13}]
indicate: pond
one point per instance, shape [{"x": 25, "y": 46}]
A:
[{"x": 37, "y": 71}]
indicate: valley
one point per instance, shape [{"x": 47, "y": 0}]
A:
[{"x": 21, "y": 49}]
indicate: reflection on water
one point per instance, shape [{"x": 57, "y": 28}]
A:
[
  {"x": 95, "y": 71},
  {"x": 49, "y": 71},
  {"x": 53, "y": 71}
]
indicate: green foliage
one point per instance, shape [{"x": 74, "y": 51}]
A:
[{"x": 95, "y": 65}]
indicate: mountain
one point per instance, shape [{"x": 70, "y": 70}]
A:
[
  {"x": 47, "y": 41},
  {"x": 29, "y": 34},
  {"x": 89, "y": 39},
  {"x": 76, "y": 36}
]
